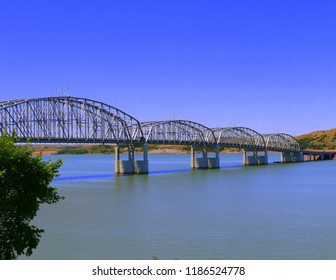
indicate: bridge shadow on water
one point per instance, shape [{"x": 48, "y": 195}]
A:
[{"x": 110, "y": 175}]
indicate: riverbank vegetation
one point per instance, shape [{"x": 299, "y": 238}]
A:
[{"x": 24, "y": 185}]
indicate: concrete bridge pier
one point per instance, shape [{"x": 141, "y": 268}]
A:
[
  {"x": 204, "y": 161},
  {"x": 309, "y": 157},
  {"x": 213, "y": 162},
  {"x": 199, "y": 162},
  {"x": 131, "y": 166},
  {"x": 141, "y": 166},
  {"x": 252, "y": 158},
  {"x": 291, "y": 157},
  {"x": 318, "y": 155}
]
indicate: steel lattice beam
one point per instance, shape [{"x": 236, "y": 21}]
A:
[
  {"x": 67, "y": 119},
  {"x": 239, "y": 137},
  {"x": 81, "y": 120},
  {"x": 281, "y": 142},
  {"x": 177, "y": 132}
]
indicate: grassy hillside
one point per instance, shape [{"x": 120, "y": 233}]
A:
[{"x": 321, "y": 140}]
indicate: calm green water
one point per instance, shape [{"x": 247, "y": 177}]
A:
[{"x": 279, "y": 211}]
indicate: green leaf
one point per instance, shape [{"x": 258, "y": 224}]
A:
[{"x": 24, "y": 185}]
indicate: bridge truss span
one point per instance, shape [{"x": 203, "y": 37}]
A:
[
  {"x": 67, "y": 119},
  {"x": 177, "y": 132},
  {"x": 239, "y": 137},
  {"x": 281, "y": 142}
]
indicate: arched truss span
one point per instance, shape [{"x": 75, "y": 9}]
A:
[
  {"x": 67, "y": 119},
  {"x": 177, "y": 132},
  {"x": 281, "y": 142},
  {"x": 239, "y": 137},
  {"x": 81, "y": 120}
]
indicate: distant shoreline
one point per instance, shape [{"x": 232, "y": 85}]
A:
[
  {"x": 76, "y": 150},
  {"x": 66, "y": 150},
  {"x": 324, "y": 140},
  {"x": 153, "y": 152}
]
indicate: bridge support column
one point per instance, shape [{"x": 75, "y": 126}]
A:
[
  {"x": 141, "y": 166},
  {"x": 199, "y": 162},
  {"x": 307, "y": 157},
  {"x": 291, "y": 157},
  {"x": 204, "y": 161},
  {"x": 116, "y": 159},
  {"x": 131, "y": 166},
  {"x": 254, "y": 158},
  {"x": 214, "y": 162}
]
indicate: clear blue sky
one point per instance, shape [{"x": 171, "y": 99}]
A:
[{"x": 267, "y": 65}]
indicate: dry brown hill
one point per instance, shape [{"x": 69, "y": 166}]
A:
[{"x": 322, "y": 140}]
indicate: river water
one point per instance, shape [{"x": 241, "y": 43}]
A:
[{"x": 278, "y": 211}]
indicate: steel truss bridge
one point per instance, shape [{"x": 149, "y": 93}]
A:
[{"x": 66, "y": 119}]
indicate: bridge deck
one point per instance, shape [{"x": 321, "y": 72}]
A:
[
  {"x": 67, "y": 119},
  {"x": 312, "y": 155}
]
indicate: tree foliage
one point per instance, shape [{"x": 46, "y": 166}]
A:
[{"x": 24, "y": 185}]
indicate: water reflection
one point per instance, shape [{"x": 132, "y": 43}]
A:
[{"x": 262, "y": 212}]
